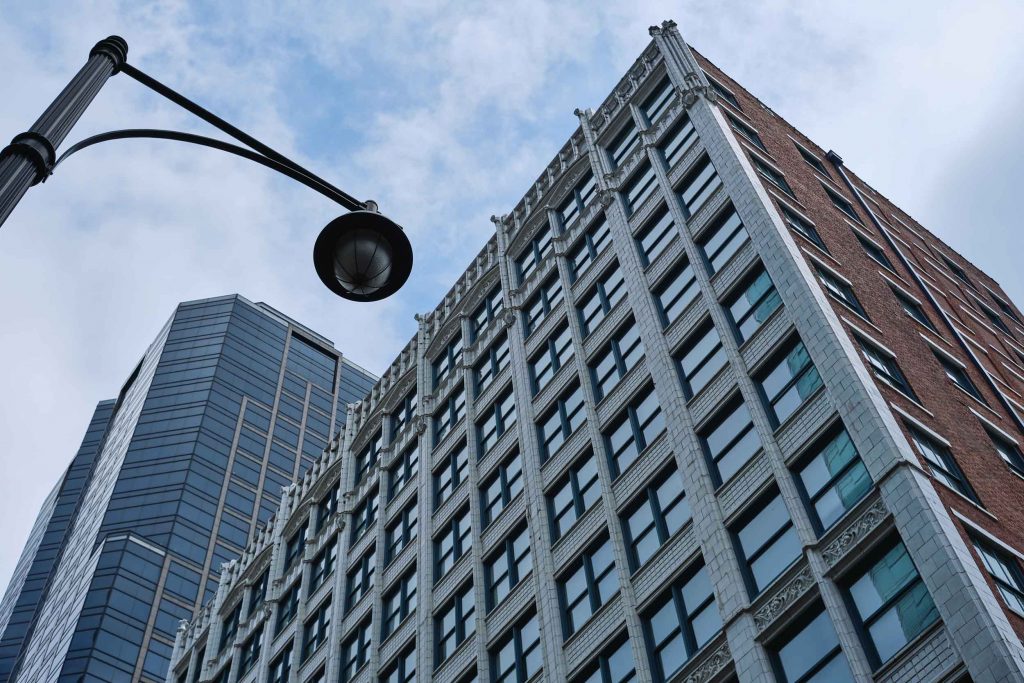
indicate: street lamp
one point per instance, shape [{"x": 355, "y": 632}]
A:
[{"x": 360, "y": 256}]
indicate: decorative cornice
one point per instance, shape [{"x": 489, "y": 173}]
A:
[
  {"x": 868, "y": 521},
  {"x": 783, "y": 598},
  {"x": 695, "y": 90},
  {"x": 710, "y": 667}
]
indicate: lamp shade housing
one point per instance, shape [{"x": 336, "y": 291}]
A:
[{"x": 363, "y": 256}]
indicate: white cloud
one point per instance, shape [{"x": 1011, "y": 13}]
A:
[{"x": 443, "y": 111}]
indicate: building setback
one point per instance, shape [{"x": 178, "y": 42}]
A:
[
  {"x": 706, "y": 407},
  {"x": 230, "y": 403}
]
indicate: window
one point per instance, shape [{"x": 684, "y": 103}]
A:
[
  {"x": 681, "y": 621},
  {"x": 766, "y": 541},
  {"x": 452, "y": 543},
  {"x": 876, "y": 253},
  {"x": 678, "y": 141},
  {"x": 723, "y": 93},
  {"x": 314, "y": 631},
  {"x": 556, "y": 353},
  {"x": 494, "y": 360},
  {"x": 323, "y": 565},
  {"x": 958, "y": 271},
  {"x": 722, "y": 239},
  {"x": 404, "y": 413},
  {"x": 455, "y": 622},
  {"x": 642, "y": 185},
  {"x": 698, "y": 185},
  {"x": 578, "y": 200},
  {"x": 891, "y": 603},
  {"x": 657, "y": 103},
  {"x": 731, "y": 440},
  {"x": 655, "y": 236},
  {"x": 542, "y": 303},
  {"x": 1008, "y": 451},
  {"x": 453, "y": 409},
  {"x": 505, "y": 569},
  {"x": 803, "y": 227},
  {"x": 589, "y": 246},
  {"x": 841, "y": 291},
  {"x": 450, "y": 474},
  {"x": 941, "y": 462},
  {"x": 625, "y": 142},
  {"x": 832, "y": 478},
  {"x": 1005, "y": 572},
  {"x": 401, "y": 533},
  {"x": 619, "y": 357},
  {"x": 884, "y": 367},
  {"x": 517, "y": 656},
  {"x": 788, "y": 381},
  {"x": 994, "y": 318},
  {"x": 561, "y": 421},
  {"x": 957, "y": 374},
  {"x": 405, "y": 470},
  {"x": 327, "y": 507},
  {"x": 500, "y": 488},
  {"x": 635, "y": 429},
  {"x": 399, "y": 602},
  {"x": 229, "y": 626},
  {"x": 355, "y": 651},
  {"x": 657, "y": 512},
  {"x": 360, "y": 578},
  {"x": 752, "y": 304},
  {"x": 488, "y": 310},
  {"x": 573, "y": 495},
  {"x": 613, "y": 665},
  {"x": 700, "y": 359},
  {"x": 747, "y": 132},
  {"x": 224, "y": 675},
  {"x": 258, "y": 592},
  {"x": 608, "y": 291},
  {"x": 813, "y": 161},
  {"x": 912, "y": 308},
  {"x": 446, "y": 362},
  {"x": 364, "y": 516},
  {"x": 675, "y": 292},
  {"x": 773, "y": 176},
  {"x": 368, "y": 457},
  {"x": 402, "y": 670},
  {"x": 810, "y": 651},
  {"x": 288, "y": 605},
  {"x": 1005, "y": 307},
  {"x": 843, "y": 204},
  {"x": 281, "y": 667},
  {"x": 500, "y": 418},
  {"x": 588, "y": 584},
  {"x": 293, "y": 549},
  {"x": 539, "y": 247}
]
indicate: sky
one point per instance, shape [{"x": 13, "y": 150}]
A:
[{"x": 445, "y": 113}]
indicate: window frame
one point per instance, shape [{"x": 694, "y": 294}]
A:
[{"x": 592, "y": 577}]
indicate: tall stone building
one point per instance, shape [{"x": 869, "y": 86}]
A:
[
  {"x": 230, "y": 403},
  {"x": 706, "y": 407}
]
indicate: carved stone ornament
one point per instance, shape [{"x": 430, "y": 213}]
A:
[
  {"x": 694, "y": 90},
  {"x": 421, "y": 424},
  {"x": 783, "y": 598},
  {"x": 710, "y": 667},
  {"x": 852, "y": 534},
  {"x": 607, "y": 196},
  {"x": 508, "y": 318}
]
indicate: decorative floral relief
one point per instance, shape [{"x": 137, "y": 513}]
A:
[
  {"x": 710, "y": 667},
  {"x": 786, "y": 596},
  {"x": 851, "y": 535}
]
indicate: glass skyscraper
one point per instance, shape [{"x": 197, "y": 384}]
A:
[{"x": 230, "y": 403}]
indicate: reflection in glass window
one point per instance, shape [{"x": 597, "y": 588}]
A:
[
  {"x": 833, "y": 478},
  {"x": 891, "y": 603}
]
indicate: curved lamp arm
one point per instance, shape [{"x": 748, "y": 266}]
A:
[{"x": 292, "y": 171}]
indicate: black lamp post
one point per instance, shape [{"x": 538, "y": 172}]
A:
[{"x": 360, "y": 256}]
